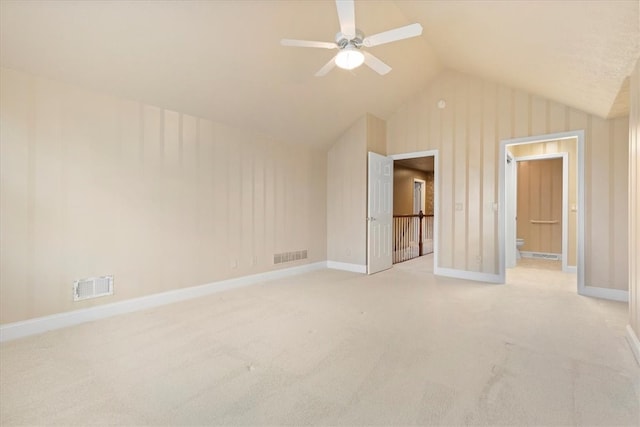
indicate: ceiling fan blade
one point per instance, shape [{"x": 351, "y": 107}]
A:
[
  {"x": 326, "y": 68},
  {"x": 308, "y": 43},
  {"x": 375, "y": 64},
  {"x": 401, "y": 33},
  {"x": 347, "y": 17}
]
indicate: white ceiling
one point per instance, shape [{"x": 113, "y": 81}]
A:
[{"x": 222, "y": 59}]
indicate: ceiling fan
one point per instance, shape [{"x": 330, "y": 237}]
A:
[{"x": 351, "y": 40}]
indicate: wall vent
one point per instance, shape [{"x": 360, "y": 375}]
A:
[
  {"x": 93, "y": 287},
  {"x": 541, "y": 255},
  {"x": 289, "y": 256}
]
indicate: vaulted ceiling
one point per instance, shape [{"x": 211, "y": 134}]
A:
[{"x": 222, "y": 59}]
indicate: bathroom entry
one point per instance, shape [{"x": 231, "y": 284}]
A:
[
  {"x": 570, "y": 146},
  {"x": 541, "y": 204}
]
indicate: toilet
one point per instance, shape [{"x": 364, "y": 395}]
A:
[{"x": 519, "y": 243}]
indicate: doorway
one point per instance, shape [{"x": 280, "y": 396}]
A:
[
  {"x": 566, "y": 148},
  {"x": 415, "y": 202}
]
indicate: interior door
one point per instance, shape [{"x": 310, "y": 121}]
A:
[
  {"x": 417, "y": 197},
  {"x": 379, "y": 213}
]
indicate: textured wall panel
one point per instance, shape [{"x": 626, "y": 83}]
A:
[{"x": 95, "y": 185}]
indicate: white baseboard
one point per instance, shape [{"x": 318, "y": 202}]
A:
[
  {"x": 571, "y": 269},
  {"x": 604, "y": 293},
  {"x": 355, "y": 268},
  {"x": 11, "y": 331},
  {"x": 468, "y": 275},
  {"x": 634, "y": 343}
]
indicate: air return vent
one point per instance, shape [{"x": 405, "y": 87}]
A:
[
  {"x": 541, "y": 255},
  {"x": 289, "y": 256},
  {"x": 93, "y": 287},
  {"x": 546, "y": 256}
]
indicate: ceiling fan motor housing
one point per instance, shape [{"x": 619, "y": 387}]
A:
[{"x": 357, "y": 41}]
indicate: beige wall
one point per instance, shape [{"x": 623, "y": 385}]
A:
[
  {"x": 569, "y": 146},
  {"x": 376, "y": 134},
  {"x": 347, "y": 193},
  {"x": 347, "y": 189},
  {"x": 634, "y": 202},
  {"x": 467, "y": 134},
  {"x": 403, "y": 190},
  {"x": 95, "y": 185}
]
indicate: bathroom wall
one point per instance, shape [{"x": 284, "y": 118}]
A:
[
  {"x": 403, "y": 190},
  {"x": 540, "y": 199}
]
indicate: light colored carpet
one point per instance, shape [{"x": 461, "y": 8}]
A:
[{"x": 335, "y": 348}]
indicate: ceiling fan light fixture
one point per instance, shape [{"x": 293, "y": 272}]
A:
[{"x": 349, "y": 58}]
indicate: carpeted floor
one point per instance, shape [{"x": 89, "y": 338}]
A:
[{"x": 335, "y": 348}]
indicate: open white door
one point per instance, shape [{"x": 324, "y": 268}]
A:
[{"x": 379, "y": 213}]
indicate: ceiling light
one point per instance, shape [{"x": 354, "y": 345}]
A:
[{"x": 349, "y": 58}]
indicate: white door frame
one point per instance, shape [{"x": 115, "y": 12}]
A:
[
  {"x": 511, "y": 178},
  {"x": 436, "y": 193},
  {"x": 565, "y": 202},
  {"x": 578, "y": 135}
]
